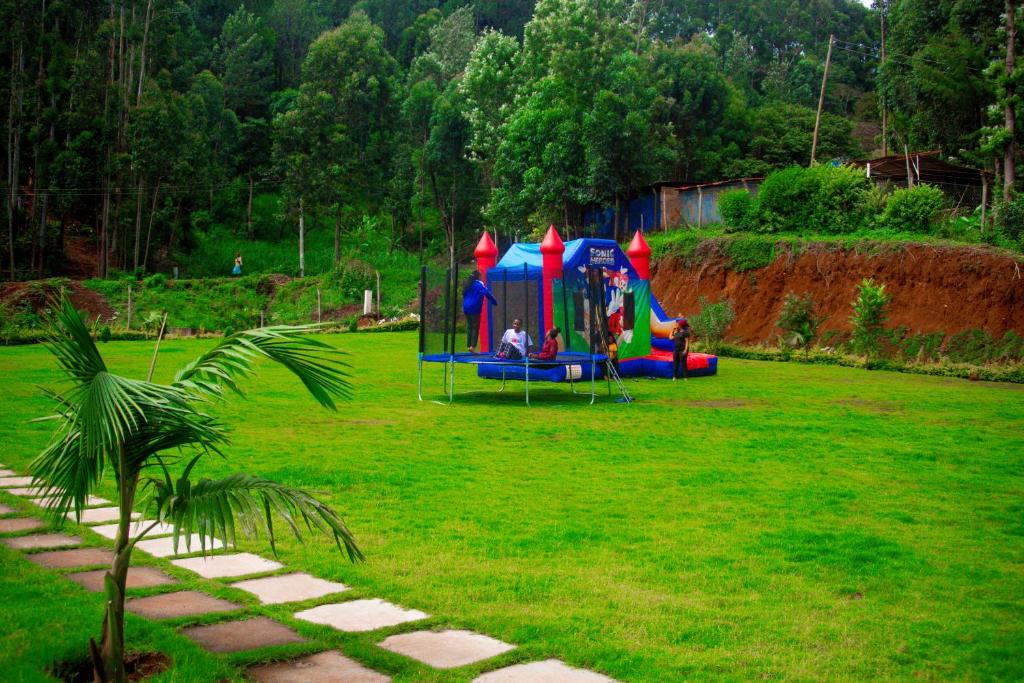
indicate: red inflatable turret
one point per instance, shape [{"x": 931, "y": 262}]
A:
[
  {"x": 551, "y": 250},
  {"x": 639, "y": 254},
  {"x": 486, "y": 257}
]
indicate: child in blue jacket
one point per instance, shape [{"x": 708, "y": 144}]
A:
[{"x": 473, "y": 293}]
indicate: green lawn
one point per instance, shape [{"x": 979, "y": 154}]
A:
[{"x": 778, "y": 521}]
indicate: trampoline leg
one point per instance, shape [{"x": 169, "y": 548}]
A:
[
  {"x": 451, "y": 386},
  {"x": 593, "y": 384},
  {"x": 608, "y": 378},
  {"x": 527, "y": 383},
  {"x": 502, "y": 387},
  {"x": 419, "y": 379}
]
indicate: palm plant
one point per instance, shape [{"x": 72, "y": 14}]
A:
[{"x": 142, "y": 430}]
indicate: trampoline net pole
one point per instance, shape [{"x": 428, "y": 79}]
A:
[
  {"x": 567, "y": 336},
  {"x": 423, "y": 309},
  {"x": 526, "y": 315},
  {"x": 455, "y": 308}
]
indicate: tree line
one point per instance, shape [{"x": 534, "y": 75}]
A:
[{"x": 140, "y": 122}]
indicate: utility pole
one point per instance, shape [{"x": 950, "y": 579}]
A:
[
  {"x": 1009, "y": 162},
  {"x": 883, "y": 6},
  {"x": 821, "y": 98}
]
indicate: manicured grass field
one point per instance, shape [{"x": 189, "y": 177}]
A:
[{"x": 779, "y": 521}]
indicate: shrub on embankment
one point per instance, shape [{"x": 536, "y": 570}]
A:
[{"x": 841, "y": 200}]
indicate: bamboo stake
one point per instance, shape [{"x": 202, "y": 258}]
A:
[{"x": 156, "y": 349}]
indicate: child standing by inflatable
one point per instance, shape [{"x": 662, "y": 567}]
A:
[{"x": 680, "y": 348}]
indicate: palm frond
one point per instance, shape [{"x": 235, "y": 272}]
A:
[
  {"x": 214, "y": 508},
  {"x": 317, "y": 365},
  {"x": 69, "y": 340}
]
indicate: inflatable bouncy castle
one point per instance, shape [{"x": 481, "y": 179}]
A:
[{"x": 588, "y": 288}]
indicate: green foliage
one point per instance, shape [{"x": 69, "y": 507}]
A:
[
  {"x": 821, "y": 199},
  {"x": 915, "y": 209},
  {"x": 869, "y": 318},
  {"x": 1012, "y": 219},
  {"x": 155, "y": 281},
  {"x": 737, "y": 208},
  {"x": 712, "y": 322},
  {"x": 799, "y": 321}
]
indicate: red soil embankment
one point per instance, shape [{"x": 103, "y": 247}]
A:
[
  {"x": 933, "y": 288},
  {"x": 38, "y": 295}
]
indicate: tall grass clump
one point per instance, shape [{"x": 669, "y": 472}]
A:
[{"x": 712, "y": 322}]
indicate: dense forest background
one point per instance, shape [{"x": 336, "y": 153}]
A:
[{"x": 137, "y": 127}]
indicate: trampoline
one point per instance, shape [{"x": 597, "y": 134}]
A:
[
  {"x": 518, "y": 294},
  {"x": 573, "y": 368}
]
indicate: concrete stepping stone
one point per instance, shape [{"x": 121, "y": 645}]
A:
[
  {"x": 218, "y": 566},
  {"x": 8, "y": 482},
  {"x": 79, "y": 557},
  {"x": 180, "y": 604},
  {"x": 275, "y": 590},
  {"x": 13, "y": 524},
  {"x": 164, "y": 547},
  {"x": 110, "y": 530},
  {"x": 446, "y": 649},
  {"x": 323, "y": 667},
  {"x": 138, "y": 577},
  {"x": 90, "y": 501},
  {"x": 548, "y": 671},
  {"x": 36, "y": 541},
  {"x": 23, "y": 491},
  {"x": 97, "y": 515},
  {"x": 6, "y": 509},
  {"x": 236, "y": 636},
  {"x": 8, "y": 473},
  {"x": 360, "y": 615}
]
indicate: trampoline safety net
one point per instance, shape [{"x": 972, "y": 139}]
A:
[{"x": 439, "y": 307}]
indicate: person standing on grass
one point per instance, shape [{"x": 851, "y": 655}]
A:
[
  {"x": 473, "y": 294},
  {"x": 237, "y": 270},
  {"x": 680, "y": 348}
]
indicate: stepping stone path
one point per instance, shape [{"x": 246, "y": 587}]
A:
[
  {"x": 360, "y": 615},
  {"x": 80, "y": 557},
  {"x": 164, "y": 547},
  {"x": 90, "y": 501},
  {"x": 23, "y": 491},
  {"x": 236, "y": 636},
  {"x": 324, "y": 667},
  {"x": 11, "y": 525},
  {"x": 37, "y": 541},
  {"x": 7, "y": 482},
  {"x": 110, "y": 530},
  {"x": 180, "y": 604},
  {"x": 446, "y": 649},
  {"x": 548, "y": 671},
  {"x": 275, "y": 590},
  {"x": 219, "y": 566},
  {"x": 138, "y": 577},
  {"x": 97, "y": 515}
]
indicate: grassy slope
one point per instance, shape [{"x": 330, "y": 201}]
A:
[{"x": 776, "y": 521}]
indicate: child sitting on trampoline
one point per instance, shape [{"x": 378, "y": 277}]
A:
[
  {"x": 515, "y": 343},
  {"x": 549, "y": 351}
]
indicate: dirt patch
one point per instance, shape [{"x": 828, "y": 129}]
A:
[
  {"x": 865, "y": 404},
  {"x": 138, "y": 665},
  {"x": 717, "y": 404},
  {"x": 38, "y": 295},
  {"x": 933, "y": 288}
]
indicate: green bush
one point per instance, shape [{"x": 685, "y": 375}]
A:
[
  {"x": 916, "y": 209},
  {"x": 155, "y": 281},
  {"x": 799, "y": 321},
  {"x": 823, "y": 199},
  {"x": 1012, "y": 218},
  {"x": 712, "y": 322},
  {"x": 869, "y": 317},
  {"x": 737, "y": 208}
]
